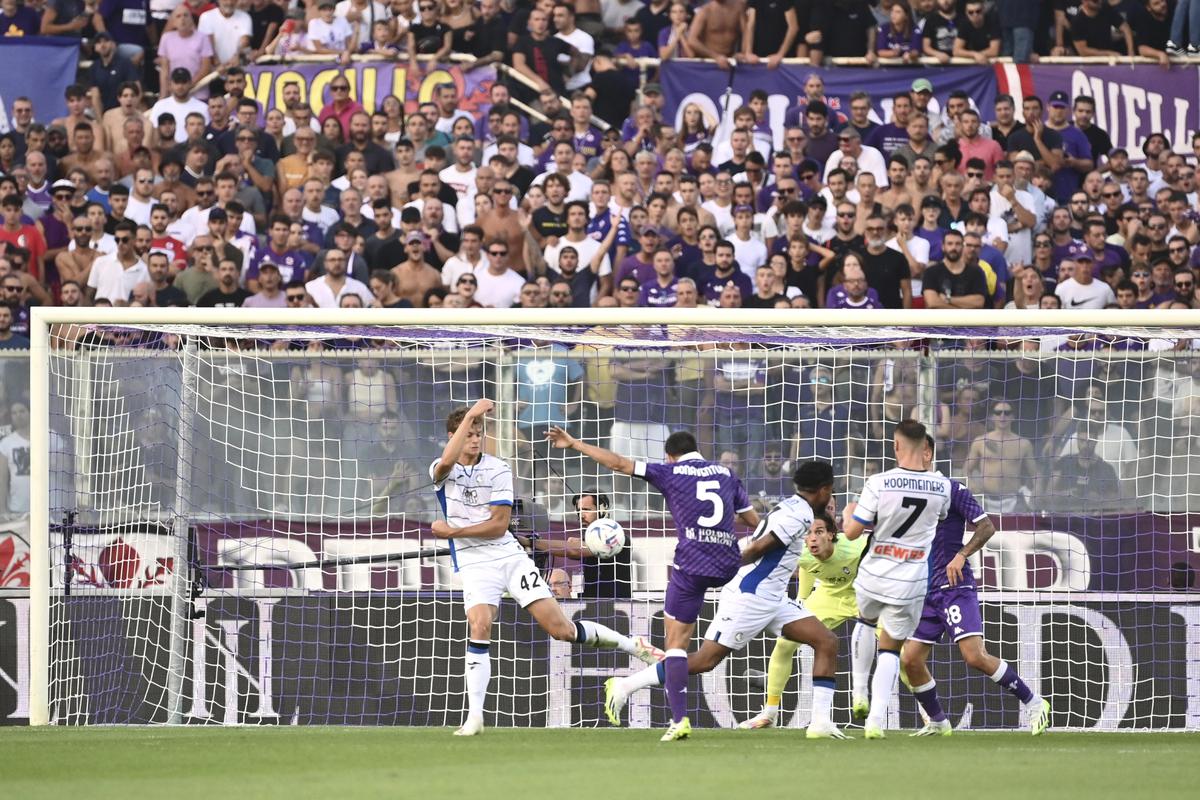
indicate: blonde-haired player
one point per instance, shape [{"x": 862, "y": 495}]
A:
[{"x": 475, "y": 491}]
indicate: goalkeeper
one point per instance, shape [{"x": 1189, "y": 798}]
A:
[{"x": 830, "y": 563}]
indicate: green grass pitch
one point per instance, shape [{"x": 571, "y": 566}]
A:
[{"x": 429, "y": 763}]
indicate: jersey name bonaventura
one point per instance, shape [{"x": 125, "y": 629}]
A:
[
  {"x": 964, "y": 509},
  {"x": 467, "y": 495},
  {"x": 833, "y": 577},
  {"x": 768, "y": 577},
  {"x": 703, "y": 498},
  {"x": 905, "y": 506}
]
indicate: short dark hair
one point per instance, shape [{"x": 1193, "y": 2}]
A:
[
  {"x": 827, "y": 518},
  {"x": 813, "y": 475},
  {"x": 456, "y": 418},
  {"x": 911, "y": 431},
  {"x": 680, "y": 443}
]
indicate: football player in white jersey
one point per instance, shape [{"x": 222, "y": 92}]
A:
[
  {"x": 756, "y": 600},
  {"x": 475, "y": 491},
  {"x": 904, "y": 505}
]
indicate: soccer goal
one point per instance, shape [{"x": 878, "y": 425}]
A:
[{"x": 231, "y": 510}]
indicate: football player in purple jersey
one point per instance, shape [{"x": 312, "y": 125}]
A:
[
  {"x": 704, "y": 498},
  {"x": 952, "y": 606}
]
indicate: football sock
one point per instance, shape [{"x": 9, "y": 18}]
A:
[
  {"x": 927, "y": 696},
  {"x": 862, "y": 653},
  {"x": 479, "y": 673},
  {"x": 883, "y": 684},
  {"x": 653, "y": 675},
  {"x": 603, "y": 637},
  {"x": 675, "y": 667},
  {"x": 1008, "y": 678},
  {"x": 780, "y": 670},
  {"x": 822, "y": 699}
]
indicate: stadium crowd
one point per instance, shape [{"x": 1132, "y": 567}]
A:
[{"x": 572, "y": 190}]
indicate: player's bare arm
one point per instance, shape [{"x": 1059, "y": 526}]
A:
[
  {"x": 851, "y": 528},
  {"x": 749, "y": 518},
  {"x": 557, "y": 437},
  {"x": 458, "y": 442},
  {"x": 984, "y": 529},
  {"x": 492, "y": 528}
]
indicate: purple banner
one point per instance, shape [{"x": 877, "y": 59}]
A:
[
  {"x": 370, "y": 83},
  {"x": 40, "y": 68},
  {"x": 1131, "y": 103},
  {"x": 687, "y": 82}
]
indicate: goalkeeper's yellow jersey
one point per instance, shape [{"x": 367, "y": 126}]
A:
[{"x": 833, "y": 578}]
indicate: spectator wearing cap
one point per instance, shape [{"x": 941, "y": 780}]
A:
[
  {"x": 659, "y": 291},
  {"x": 748, "y": 246},
  {"x": 1092, "y": 31},
  {"x": 269, "y": 294},
  {"x": 179, "y": 104},
  {"x": 415, "y": 275},
  {"x": 1078, "y": 159},
  {"x": 978, "y": 33},
  {"x": 640, "y": 265},
  {"x": 182, "y": 47},
  {"x": 110, "y": 69},
  {"x": 1081, "y": 290}
]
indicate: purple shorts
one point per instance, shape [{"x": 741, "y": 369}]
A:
[
  {"x": 685, "y": 594},
  {"x": 953, "y": 610}
]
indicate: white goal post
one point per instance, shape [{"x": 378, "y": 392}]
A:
[{"x": 1072, "y": 589}]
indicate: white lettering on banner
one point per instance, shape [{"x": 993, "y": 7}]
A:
[
  {"x": 20, "y": 681},
  {"x": 1121, "y": 673},
  {"x": 1130, "y": 113},
  {"x": 1010, "y": 552},
  {"x": 1191, "y": 618},
  {"x": 228, "y": 647}
]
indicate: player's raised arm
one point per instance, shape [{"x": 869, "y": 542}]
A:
[
  {"x": 454, "y": 448},
  {"x": 606, "y": 458}
]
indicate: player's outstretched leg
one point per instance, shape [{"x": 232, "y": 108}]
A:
[
  {"x": 883, "y": 684},
  {"x": 977, "y": 657},
  {"x": 550, "y": 617},
  {"x": 779, "y": 672},
  {"x": 863, "y": 642}
]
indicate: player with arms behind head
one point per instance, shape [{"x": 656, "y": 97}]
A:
[
  {"x": 704, "y": 498},
  {"x": 476, "y": 494},
  {"x": 904, "y": 505},
  {"x": 756, "y": 600},
  {"x": 830, "y": 562},
  {"x": 952, "y": 606}
]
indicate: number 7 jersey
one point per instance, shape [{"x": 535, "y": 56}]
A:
[{"x": 905, "y": 507}]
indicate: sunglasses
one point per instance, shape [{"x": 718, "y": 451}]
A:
[
  {"x": 83, "y": 230},
  {"x": 1041, "y": 244},
  {"x": 12, "y": 288},
  {"x": 497, "y": 253},
  {"x": 340, "y": 88},
  {"x": 122, "y": 239},
  {"x": 65, "y": 195},
  {"x": 206, "y": 193},
  {"x": 1177, "y": 249},
  {"x": 1141, "y": 274},
  {"x": 787, "y": 191},
  {"x": 845, "y": 215},
  {"x": 502, "y": 190},
  {"x": 1184, "y": 285},
  {"x": 295, "y": 298},
  {"x": 974, "y": 174},
  {"x": 1002, "y": 412},
  {"x": 1109, "y": 195},
  {"x": 1157, "y": 227},
  {"x": 471, "y": 281},
  {"x": 203, "y": 248}
]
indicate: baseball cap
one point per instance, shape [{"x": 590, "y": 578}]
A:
[
  {"x": 1024, "y": 155},
  {"x": 931, "y": 201},
  {"x": 922, "y": 85},
  {"x": 1059, "y": 99},
  {"x": 325, "y": 3},
  {"x": 62, "y": 183},
  {"x": 217, "y": 215},
  {"x": 649, "y": 230},
  {"x": 743, "y": 209},
  {"x": 849, "y": 132},
  {"x": 415, "y": 236},
  {"x": 652, "y": 88},
  {"x": 1080, "y": 252},
  {"x": 180, "y": 75},
  {"x": 265, "y": 265},
  {"x": 101, "y": 36}
]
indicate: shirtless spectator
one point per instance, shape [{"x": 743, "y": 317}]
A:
[
  {"x": 1000, "y": 463},
  {"x": 414, "y": 275},
  {"x": 717, "y": 31}
]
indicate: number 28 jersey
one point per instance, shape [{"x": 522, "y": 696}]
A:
[{"x": 905, "y": 507}]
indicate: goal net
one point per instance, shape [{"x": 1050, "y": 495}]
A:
[{"x": 231, "y": 513}]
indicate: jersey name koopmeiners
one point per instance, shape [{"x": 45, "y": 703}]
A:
[
  {"x": 467, "y": 495},
  {"x": 905, "y": 506},
  {"x": 768, "y": 577}
]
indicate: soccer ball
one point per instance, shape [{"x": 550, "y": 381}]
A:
[{"x": 604, "y": 537}]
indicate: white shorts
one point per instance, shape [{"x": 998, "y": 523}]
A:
[
  {"x": 487, "y": 583},
  {"x": 741, "y": 617},
  {"x": 900, "y": 620}
]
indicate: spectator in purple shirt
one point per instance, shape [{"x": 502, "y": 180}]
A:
[
  {"x": 899, "y": 37},
  {"x": 18, "y": 20},
  {"x": 639, "y": 265},
  {"x": 853, "y": 291},
  {"x": 659, "y": 291}
]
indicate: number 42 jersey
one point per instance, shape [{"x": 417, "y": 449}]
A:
[{"x": 905, "y": 507}]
